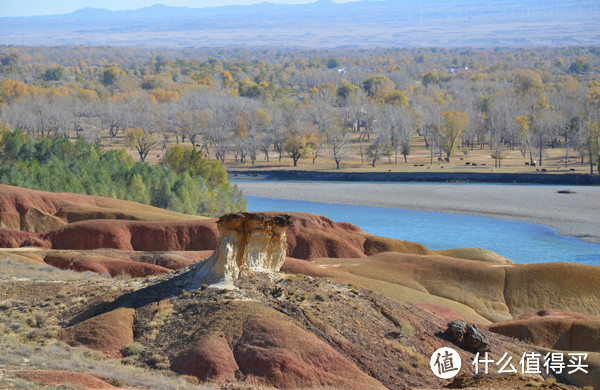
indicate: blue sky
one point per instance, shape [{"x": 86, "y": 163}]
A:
[{"x": 45, "y": 7}]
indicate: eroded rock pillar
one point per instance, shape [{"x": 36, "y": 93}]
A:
[{"x": 247, "y": 240}]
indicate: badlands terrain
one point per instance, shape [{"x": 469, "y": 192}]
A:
[{"x": 102, "y": 293}]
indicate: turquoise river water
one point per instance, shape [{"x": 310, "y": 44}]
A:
[{"x": 521, "y": 242}]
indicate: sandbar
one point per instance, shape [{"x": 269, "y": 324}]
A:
[{"x": 575, "y": 213}]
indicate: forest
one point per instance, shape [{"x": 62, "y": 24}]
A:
[
  {"x": 184, "y": 182},
  {"x": 366, "y": 105}
]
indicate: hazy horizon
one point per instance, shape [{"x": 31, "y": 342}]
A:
[
  {"x": 307, "y": 23},
  {"x": 43, "y": 8}
]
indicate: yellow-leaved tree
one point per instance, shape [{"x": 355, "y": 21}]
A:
[
  {"x": 453, "y": 125},
  {"x": 141, "y": 140},
  {"x": 300, "y": 145}
]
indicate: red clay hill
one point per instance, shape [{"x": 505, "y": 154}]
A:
[
  {"x": 345, "y": 311},
  {"x": 80, "y": 222}
]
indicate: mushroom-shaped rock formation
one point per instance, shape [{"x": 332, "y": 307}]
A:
[{"x": 246, "y": 240}]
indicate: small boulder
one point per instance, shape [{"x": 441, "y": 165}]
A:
[{"x": 467, "y": 336}]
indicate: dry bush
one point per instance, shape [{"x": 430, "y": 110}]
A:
[
  {"x": 406, "y": 367},
  {"x": 57, "y": 356},
  {"x": 406, "y": 329},
  {"x": 161, "y": 317},
  {"x": 133, "y": 349}
]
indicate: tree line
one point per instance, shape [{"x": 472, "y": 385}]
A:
[{"x": 251, "y": 105}]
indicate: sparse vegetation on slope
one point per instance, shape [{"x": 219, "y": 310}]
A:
[{"x": 29, "y": 329}]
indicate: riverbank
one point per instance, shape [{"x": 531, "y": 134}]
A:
[
  {"x": 574, "y": 213},
  {"x": 437, "y": 177}
]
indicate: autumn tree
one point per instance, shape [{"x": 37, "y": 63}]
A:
[
  {"x": 346, "y": 90},
  {"x": 453, "y": 124},
  {"x": 397, "y": 98},
  {"x": 301, "y": 140},
  {"x": 109, "y": 78},
  {"x": 431, "y": 77},
  {"x": 378, "y": 87},
  {"x": 250, "y": 89},
  {"x": 11, "y": 90},
  {"x": 527, "y": 81},
  {"x": 525, "y": 135},
  {"x": 299, "y": 145},
  {"x": 141, "y": 140}
]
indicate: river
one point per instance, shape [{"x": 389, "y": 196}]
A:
[{"x": 522, "y": 242}]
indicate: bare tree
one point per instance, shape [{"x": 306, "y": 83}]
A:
[
  {"x": 570, "y": 107},
  {"x": 503, "y": 127},
  {"x": 429, "y": 112},
  {"x": 399, "y": 122},
  {"x": 219, "y": 125},
  {"x": 338, "y": 137},
  {"x": 111, "y": 113}
]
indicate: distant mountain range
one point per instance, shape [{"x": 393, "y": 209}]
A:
[{"x": 387, "y": 23}]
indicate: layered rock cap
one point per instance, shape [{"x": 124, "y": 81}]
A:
[{"x": 253, "y": 241}]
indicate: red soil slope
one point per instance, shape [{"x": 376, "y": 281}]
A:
[
  {"x": 108, "y": 332},
  {"x": 556, "y": 329},
  {"x": 270, "y": 350},
  {"x": 57, "y": 378},
  {"x": 311, "y": 236},
  {"x": 72, "y": 221},
  {"x": 135, "y": 235},
  {"x": 105, "y": 265},
  {"x": 39, "y": 211}
]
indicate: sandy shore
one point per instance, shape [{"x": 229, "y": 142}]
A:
[{"x": 576, "y": 214}]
